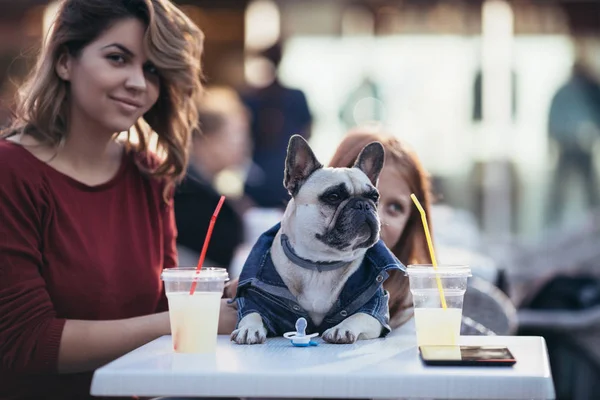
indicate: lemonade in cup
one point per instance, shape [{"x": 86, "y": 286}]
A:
[
  {"x": 438, "y": 313},
  {"x": 194, "y": 316}
]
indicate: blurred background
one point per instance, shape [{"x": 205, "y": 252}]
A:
[{"x": 500, "y": 99}]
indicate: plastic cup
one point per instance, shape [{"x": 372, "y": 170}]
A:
[
  {"x": 435, "y": 325},
  {"x": 194, "y": 318}
]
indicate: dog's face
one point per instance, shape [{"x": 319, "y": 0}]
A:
[{"x": 333, "y": 211}]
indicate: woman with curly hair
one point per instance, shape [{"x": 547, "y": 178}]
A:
[{"x": 87, "y": 220}]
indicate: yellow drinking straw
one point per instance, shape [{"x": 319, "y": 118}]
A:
[{"x": 433, "y": 260}]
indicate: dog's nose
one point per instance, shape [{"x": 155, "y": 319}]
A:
[{"x": 361, "y": 205}]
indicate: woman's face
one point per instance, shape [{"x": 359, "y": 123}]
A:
[
  {"x": 112, "y": 83},
  {"x": 394, "y": 204},
  {"x": 225, "y": 148}
]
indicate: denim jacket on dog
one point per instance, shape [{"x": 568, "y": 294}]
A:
[{"x": 262, "y": 290}]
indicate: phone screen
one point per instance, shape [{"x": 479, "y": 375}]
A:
[{"x": 467, "y": 355}]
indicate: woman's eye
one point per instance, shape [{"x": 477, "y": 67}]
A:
[
  {"x": 151, "y": 69},
  {"x": 395, "y": 208},
  {"x": 117, "y": 58}
]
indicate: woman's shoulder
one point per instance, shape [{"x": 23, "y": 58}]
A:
[
  {"x": 9, "y": 151},
  {"x": 17, "y": 163},
  {"x": 21, "y": 176}
]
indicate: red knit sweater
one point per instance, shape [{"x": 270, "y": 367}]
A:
[{"x": 71, "y": 251}]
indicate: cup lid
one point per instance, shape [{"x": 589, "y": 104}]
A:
[
  {"x": 189, "y": 273},
  {"x": 446, "y": 270}
]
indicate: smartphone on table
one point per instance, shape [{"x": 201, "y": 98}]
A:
[{"x": 489, "y": 356}]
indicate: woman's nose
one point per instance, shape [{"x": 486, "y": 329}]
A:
[{"x": 136, "y": 79}]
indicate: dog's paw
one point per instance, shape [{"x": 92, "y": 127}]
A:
[
  {"x": 356, "y": 327},
  {"x": 249, "y": 335},
  {"x": 250, "y": 330},
  {"x": 340, "y": 335}
]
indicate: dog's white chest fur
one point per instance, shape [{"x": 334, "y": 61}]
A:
[{"x": 316, "y": 292}]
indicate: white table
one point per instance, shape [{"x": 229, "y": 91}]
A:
[{"x": 380, "y": 368}]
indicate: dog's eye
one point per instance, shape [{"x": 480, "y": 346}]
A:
[
  {"x": 373, "y": 196},
  {"x": 333, "y": 197}
]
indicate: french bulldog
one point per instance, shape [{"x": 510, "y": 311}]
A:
[{"x": 316, "y": 262}]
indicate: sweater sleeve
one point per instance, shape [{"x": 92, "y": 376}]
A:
[{"x": 30, "y": 332}]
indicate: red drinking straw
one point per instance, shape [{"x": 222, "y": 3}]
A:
[{"x": 206, "y": 240}]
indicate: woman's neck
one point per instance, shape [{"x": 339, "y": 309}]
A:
[
  {"x": 88, "y": 156},
  {"x": 87, "y": 146},
  {"x": 88, "y": 152}
]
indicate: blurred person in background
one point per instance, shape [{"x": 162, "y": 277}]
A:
[
  {"x": 278, "y": 112},
  {"x": 87, "y": 220},
  {"x": 222, "y": 145},
  {"x": 574, "y": 128}
]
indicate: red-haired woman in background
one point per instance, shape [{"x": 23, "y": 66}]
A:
[{"x": 401, "y": 228}]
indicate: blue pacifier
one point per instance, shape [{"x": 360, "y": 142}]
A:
[{"x": 300, "y": 338}]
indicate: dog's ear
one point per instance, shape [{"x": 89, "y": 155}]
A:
[
  {"x": 300, "y": 163},
  {"x": 370, "y": 161}
]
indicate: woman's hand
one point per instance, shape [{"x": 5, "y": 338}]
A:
[
  {"x": 227, "y": 317},
  {"x": 87, "y": 345},
  {"x": 231, "y": 289}
]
